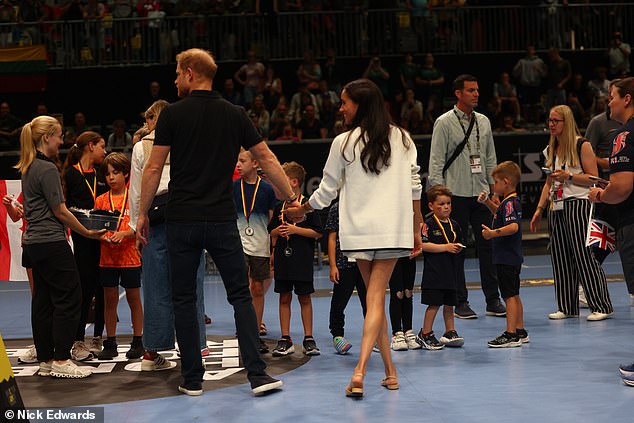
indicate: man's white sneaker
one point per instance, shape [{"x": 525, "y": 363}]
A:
[
  {"x": 558, "y": 315},
  {"x": 70, "y": 370},
  {"x": 595, "y": 316},
  {"x": 398, "y": 342},
  {"x": 80, "y": 351},
  {"x": 410, "y": 339},
  {"x": 29, "y": 356}
]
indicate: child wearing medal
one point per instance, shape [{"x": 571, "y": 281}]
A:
[
  {"x": 254, "y": 199},
  {"x": 294, "y": 246},
  {"x": 506, "y": 236},
  {"x": 120, "y": 263},
  {"x": 443, "y": 270}
]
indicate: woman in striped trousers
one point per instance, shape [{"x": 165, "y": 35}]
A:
[{"x": 571, "y": 161}]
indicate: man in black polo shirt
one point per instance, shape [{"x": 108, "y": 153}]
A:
[{"x": 203, "y": 134}]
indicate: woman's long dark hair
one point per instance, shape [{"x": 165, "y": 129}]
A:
[{"x": 374, "y": 121}]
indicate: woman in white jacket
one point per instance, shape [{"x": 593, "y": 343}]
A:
[{"x": 373, "y": 169}]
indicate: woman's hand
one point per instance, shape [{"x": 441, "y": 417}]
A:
[
  {"x": 560, "y": 175},
  {"x": 536, "y": 220}
]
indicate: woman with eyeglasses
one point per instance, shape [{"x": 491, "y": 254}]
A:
[
  {"x": 83, "y": 183},
  {"x": 571, "y": 163},
  {"x": 158, "y": 319}
]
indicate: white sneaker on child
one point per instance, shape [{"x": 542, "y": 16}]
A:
[
  {"x": 410, "y": 339},
  {"x": 398, "y": 342}
]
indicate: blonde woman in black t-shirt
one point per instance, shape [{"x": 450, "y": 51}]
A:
[{"x": 57, "y": 293}]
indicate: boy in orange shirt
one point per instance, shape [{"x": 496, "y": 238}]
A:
[{"x": 120, "y": 262}]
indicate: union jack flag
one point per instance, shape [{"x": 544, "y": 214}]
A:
[{"x": 601, "y": 234}]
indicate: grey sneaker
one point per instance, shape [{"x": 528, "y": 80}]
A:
[
  {"x": 80, "y": 351},
  {"x": 496, "y": 309},
  {"x": 45, "y": 369},
  {"x": 96, "y": 344},
  {"x": 29, "y": 356},
  {"x": 70, "y": 370},
  {"x": 463, "y": 311},
  {"x": 452, "y": 339}
]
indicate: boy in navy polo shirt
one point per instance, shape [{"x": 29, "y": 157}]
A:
[
  {"x": 443, "y": 270},
  {"x": 294, "y": 246},
  {"x": 506, "y": 236}
]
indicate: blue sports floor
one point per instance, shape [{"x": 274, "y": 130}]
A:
[{"x": 567, "y": 373}]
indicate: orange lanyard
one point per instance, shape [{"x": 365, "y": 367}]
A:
[
  {"x": 244, "y": 204},
  {"x": 93, "y": 189},
  {"x": 442, "y": 228},
  {"x": 112, "y": 207}
]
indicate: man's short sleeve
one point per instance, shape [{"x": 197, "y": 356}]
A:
[
  {"x": 622, "y": 159},
  {"x": 163, "y": 134}
]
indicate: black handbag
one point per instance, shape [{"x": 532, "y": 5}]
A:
[{"x": 156, "y": 214}]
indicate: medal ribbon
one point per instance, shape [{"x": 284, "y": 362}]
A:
[
  {"x": 93, "y": 189},
  {"x": 112, "y": 207},
  {"x": 244, "y": 204},
  {"x": 442, "y": 228}
]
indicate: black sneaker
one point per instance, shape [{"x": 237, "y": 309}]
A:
[
  {"x": 263, "y": 347},
  {"x": 506, "y": 340},
  {"x": 109, "y": 350},
  {"x": 463, "y": 311},
  {"x": 452, "y": 339},
  {"x": 429, "y": 341},
  {"x": 264, "y": 383},
  {"x": 284, "y": 347},
  {"x": 496, "y": 309},
  {"x": 135, "y": 351},
  {"x": 523, "y": 334},
  {"x": 310, "y": 347}
]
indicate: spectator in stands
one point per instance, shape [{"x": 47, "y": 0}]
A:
[
  {"x": 256, "y": 122},
  {"x": 287, "y": 134},
  {"x": 251, "y": 76},
  {"x": 328, "y": 104},
  {"x": 93, "y": 13},
  {"x": 409, "y": 105},
  {"x": 408, "y": 72},
  {"x": 429, "y": 82},
  {"x": 619, "y": 55},
  {"x": 377, "y": 74},
  {"x": 262, "y": 117},
  {"x": 559, "y": 73},
  {"x": 279, "y": 120},
  {"x": 31, "y": 12},
  {"x": 309, "y": 71},
  {"x": 330, "y": 71},
  {"x": 529, "y": 72},
  {"x": 41, "y": 109},
  {"x": 506, "y": 96},
  {"x": 326, "y": 93},
  {"x": 230, "y": 94},
  {"x": 299, "y": 101},
  {"x": 120, "y": 138},
  {"x": 414, "y": 123},
  {"x": 507, "y": 125},
  {"x": 580, "y": 99},
  {"x": 273, "y": 90},
  {"x": 309, "y": 127},
  {"x": 10, "y": 127},
  {"x": 600, "y": 86},
  {"x": 155, "y": 92},
  {"x": 7, "y": 16},
  {"x": 72, "y": 132}
]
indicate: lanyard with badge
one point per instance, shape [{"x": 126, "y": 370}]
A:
[
  {"x": 557, "y": 192},
  {"x": 247, "y": 214},
  {"x": 475, "y": 161}
]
